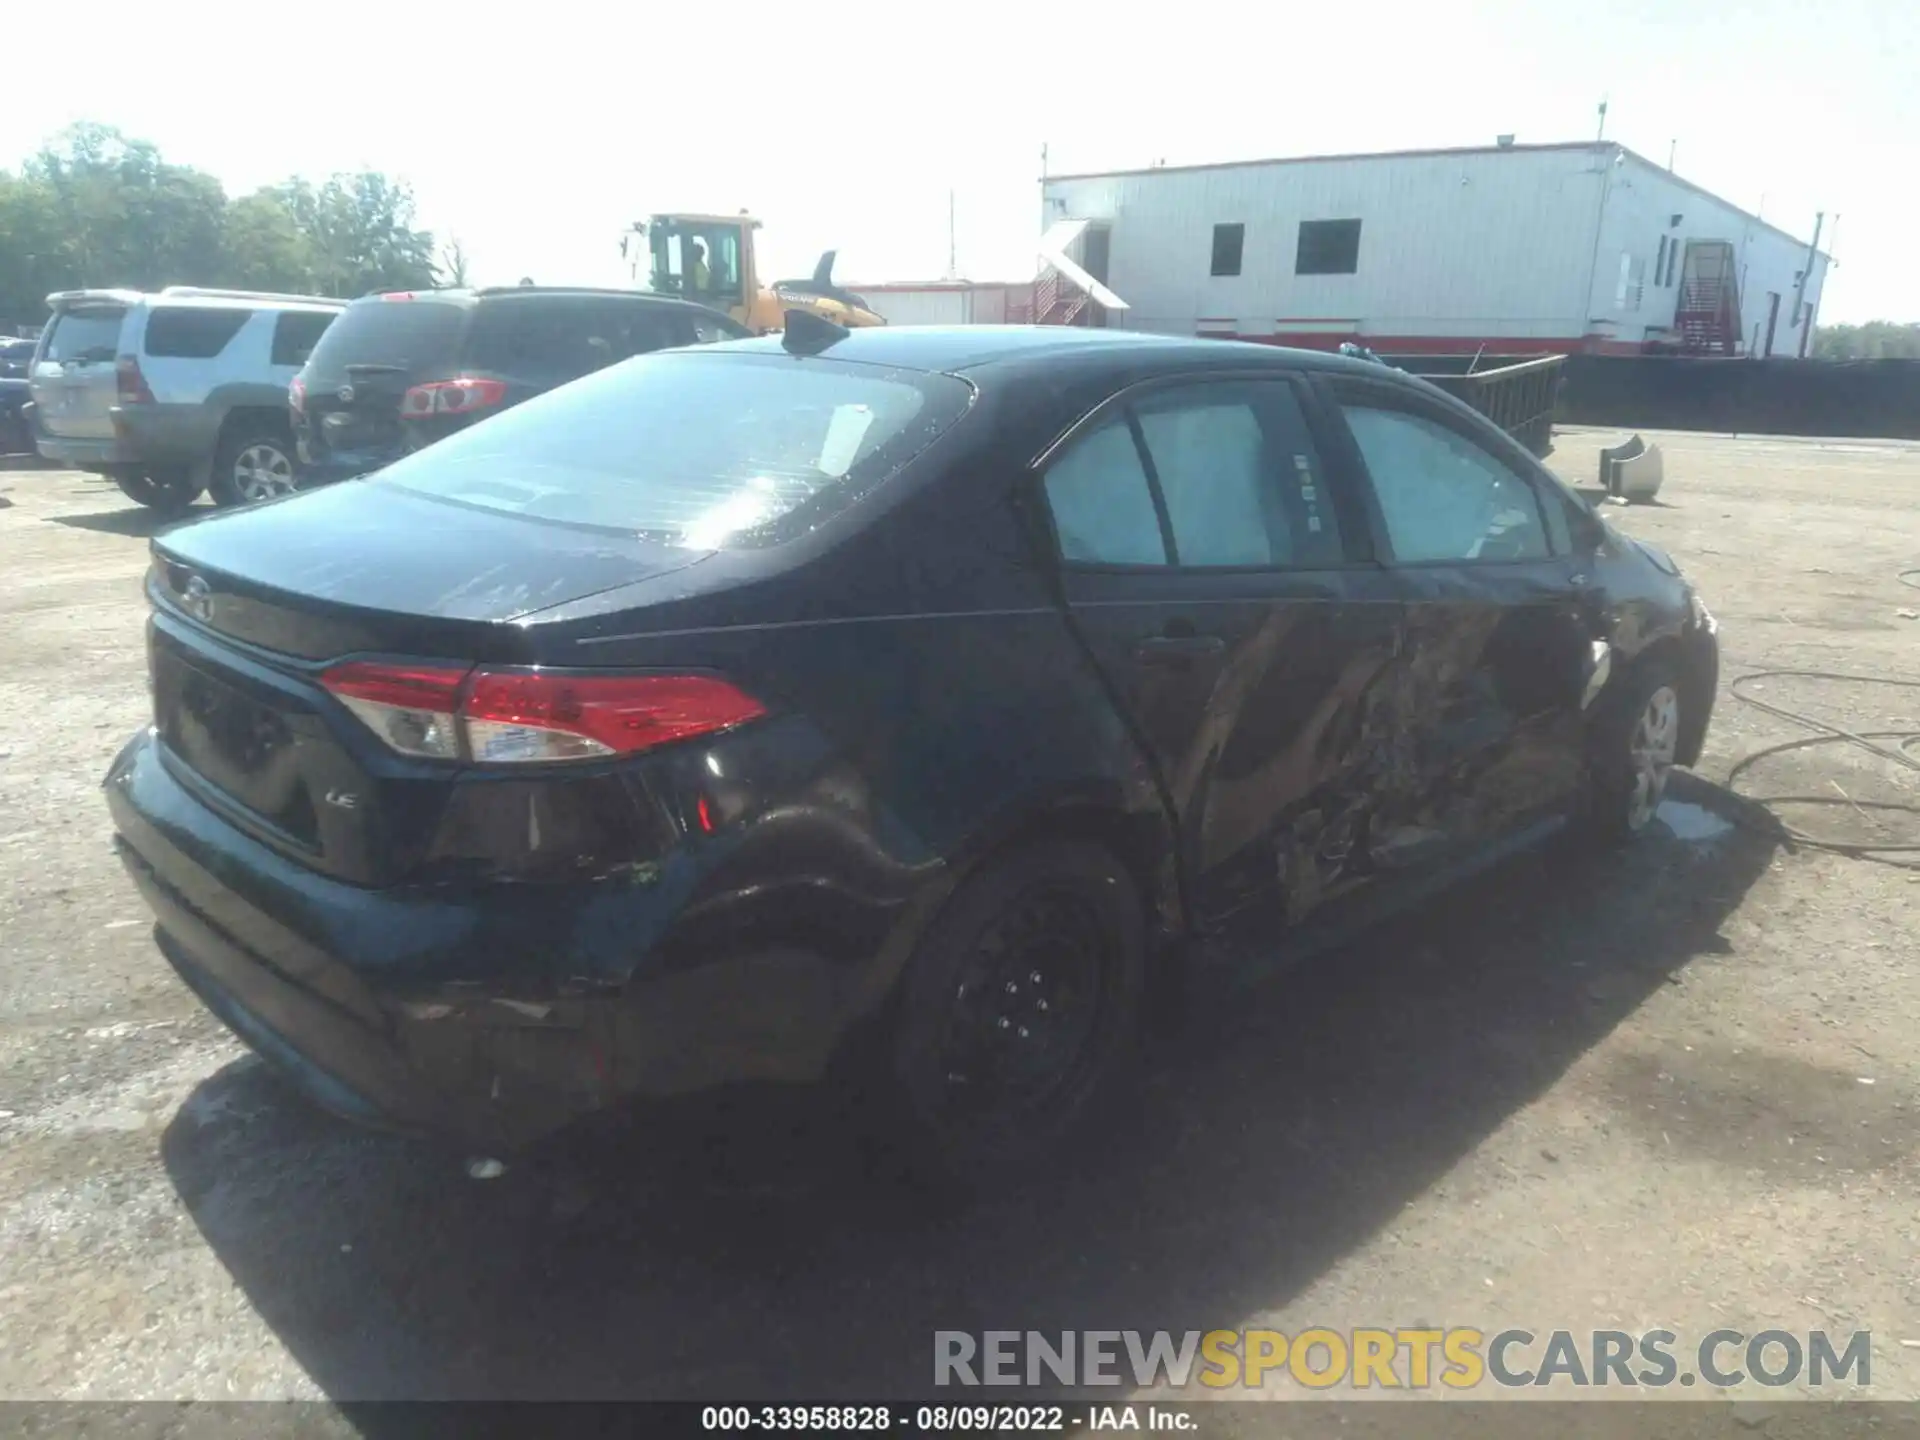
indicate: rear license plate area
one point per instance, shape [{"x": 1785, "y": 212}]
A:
[{"x": 245, "y": 749}]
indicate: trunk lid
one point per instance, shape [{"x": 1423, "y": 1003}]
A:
[
  {"x": 73, "y": 380},
  {"x": 252, "y": 606}
]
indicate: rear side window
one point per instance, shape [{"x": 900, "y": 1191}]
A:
[
  {"x": 1102, "y": 502},
  {"x": 188, "y": 332},
  {"x": 85, "y": 335},
  {"x": 1232, "y": 465},
  {"x": 295, "y": 333},
  {"x": 706, "y": 449},
  {"x": 412, "y": 334},
  {"x": 547, "y": 342},
  {"x": 1442, "y": 496}
]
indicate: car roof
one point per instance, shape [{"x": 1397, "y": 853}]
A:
[
  {"x": 471, "y": 295},
  {"x": 971, "y": 349},
  {"x": 198, "y": 297}
]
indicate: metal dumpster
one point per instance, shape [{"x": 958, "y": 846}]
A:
[{"x": 1516, "y": 393}]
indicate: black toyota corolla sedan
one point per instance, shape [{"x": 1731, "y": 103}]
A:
[{"x": 898, "y": 696}]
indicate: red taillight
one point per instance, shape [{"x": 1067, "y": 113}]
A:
[
  {"x": 451, "y": 397},
  {"x": 530, "y": 715},
  {"x": 130, "y": 383},
  {"x": 297, "y": 396},
  {"x": 413, "y": 708},
  {"x": 504, "y": 717}
]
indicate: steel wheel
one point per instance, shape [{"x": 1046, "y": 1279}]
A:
[
  {"x": 1655, "y": 740},
  {"x": 262, "y": 471},
  {"x": 1019, "y": 1007},
  {"x": 1026, "y": 1005}
]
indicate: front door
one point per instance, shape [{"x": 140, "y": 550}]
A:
[
  {"x": 1206, "y": 564},
  {"x": 1499, "y": 638}
]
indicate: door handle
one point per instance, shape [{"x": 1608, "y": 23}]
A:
[{"x": 1177, "y": 649}]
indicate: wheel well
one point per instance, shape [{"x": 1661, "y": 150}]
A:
[
  {"x": 250, "y": 416},
  {"x": 1141, "y": 843},
  {"x": 1672, "y": 651}
]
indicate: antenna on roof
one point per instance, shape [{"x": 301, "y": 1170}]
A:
[
  {"x": 1601, "y": 134},
  {"x": 809, "y": 334}
]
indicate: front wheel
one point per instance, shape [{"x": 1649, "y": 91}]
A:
[
  {"x": 170, "y": 492},
  {"x": 1636, "y": 738},
  {"x": 1020, "y": 1004}
]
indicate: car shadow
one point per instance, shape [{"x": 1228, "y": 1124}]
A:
[
  {"x": 135, "y": 521},
  {"x": 741, "y": 1254}
]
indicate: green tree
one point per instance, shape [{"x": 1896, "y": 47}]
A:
[
  {"x": 96, "y": 208},
  {"x": 1875, "y": 340}
]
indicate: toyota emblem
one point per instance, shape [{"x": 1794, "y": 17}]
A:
[
  {"x": 346, "y": 394},
  {"x": 196, "y": 598}
]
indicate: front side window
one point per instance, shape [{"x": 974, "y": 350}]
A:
[
  {"x": 1442, "y": 496},
  {"x": 295, "y": 334}
]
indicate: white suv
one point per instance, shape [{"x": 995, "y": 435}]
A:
[{"x": 175, "y": 393}]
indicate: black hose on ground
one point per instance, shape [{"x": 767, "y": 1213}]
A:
[{"x": 1897, "y": 746}]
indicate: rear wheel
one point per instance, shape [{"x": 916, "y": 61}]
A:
[
  {"x": 254, "y": 463},
  {"x": 169, "y": 491},
  {"x": 1019, "y": 1005}
]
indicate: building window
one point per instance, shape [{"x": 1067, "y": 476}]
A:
[
  {"x": 1228, "y": 241},
  {"x": 1660, "y": 265},
  {"x": 1328, "y": 247}
]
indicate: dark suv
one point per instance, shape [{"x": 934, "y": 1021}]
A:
[{"x": 401, "y": 370}]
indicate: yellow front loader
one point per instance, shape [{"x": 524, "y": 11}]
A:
[{"x": 710, "y": 259}]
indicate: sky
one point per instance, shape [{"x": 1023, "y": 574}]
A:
[{"x": 537, "y": 134}]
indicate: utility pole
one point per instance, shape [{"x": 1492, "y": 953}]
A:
[{"x": 1801, "y": 311}]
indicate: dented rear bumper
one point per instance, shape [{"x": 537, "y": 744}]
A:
[{"x": 495, "y": 1059}]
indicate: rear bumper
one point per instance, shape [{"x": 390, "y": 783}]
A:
[
  {"x": 145, "y": 438},
  {"x": 496, "y": 1057}
]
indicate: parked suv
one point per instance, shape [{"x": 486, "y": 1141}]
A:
[
  {"x": 174, "y": 393},
  {"x": 399, "y": 371}
]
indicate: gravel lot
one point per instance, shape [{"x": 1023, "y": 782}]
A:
[{"x": 1677, "y": 1087}]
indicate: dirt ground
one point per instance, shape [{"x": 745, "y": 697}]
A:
[{"x": 1674, "y": 1088}]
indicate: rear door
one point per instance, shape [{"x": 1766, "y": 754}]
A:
[
  {"x": 1206, "y": 560},
  {"x": 73, "y": 383},
  {"x": 362, "y": 365},
  {"x": 1498, "y": 644}
]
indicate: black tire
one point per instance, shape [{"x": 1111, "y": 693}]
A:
[
  {"x": 253, "y": 456},
  {"x": 1619, "y": 805},
  {"x": 969, "y": 1104},
  {"x": 169, "y": 493}
]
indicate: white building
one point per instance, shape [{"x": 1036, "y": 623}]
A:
[
  {"x": 950, "y": 302},
  {"x": 1584, "y": 247}
]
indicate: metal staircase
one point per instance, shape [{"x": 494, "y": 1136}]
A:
[{"x": 1707, "y": 313}]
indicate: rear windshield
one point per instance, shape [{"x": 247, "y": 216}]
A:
[
  {"x": 415, "y": 335},
  {"x": 705, "y": 449},
  {"x": 88, "y": 334}
]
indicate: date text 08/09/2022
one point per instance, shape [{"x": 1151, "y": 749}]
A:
[{"x": 943, "y": 1419}]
